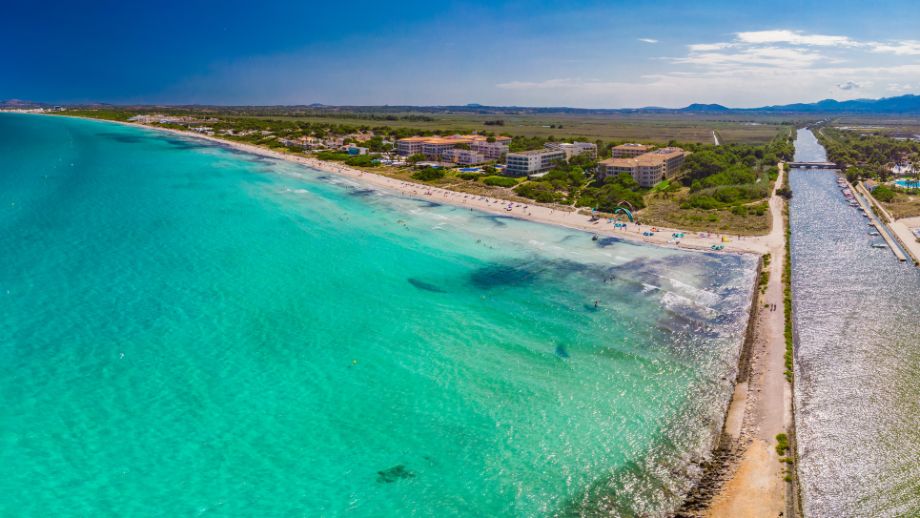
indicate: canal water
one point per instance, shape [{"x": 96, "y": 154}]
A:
[{"x": 857, "y": 322}]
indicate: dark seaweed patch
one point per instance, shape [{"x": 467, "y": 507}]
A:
[
  {"x": 422, "y": 285},
  {"x": 497, "y": 275},
  {"x": 124, "y": 139},
  {"x": 394, "y": 474},
  {"x": 184, "y": 144},
  {"x": 604, "y": 242},
  {"x": 498, "y": 221},
  {"x": 361, "y": 193}
]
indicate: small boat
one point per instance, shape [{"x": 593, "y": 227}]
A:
[
  {"x": 874, "y": 233},
  {"x": 879, "y": 245}
]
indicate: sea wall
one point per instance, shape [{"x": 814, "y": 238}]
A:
[{"x": 726, "y": 450}]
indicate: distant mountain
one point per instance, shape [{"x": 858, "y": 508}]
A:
[
  {"x": 905, "y": 104},
  {"x": 902, "y": 105},
  {"x": 696, "y": 107},
  {"x": 19, "y": 104}
]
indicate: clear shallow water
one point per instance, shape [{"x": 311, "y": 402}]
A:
[
  {"x": 189, "y": 330},
  {"x": 857, "y": 356}
]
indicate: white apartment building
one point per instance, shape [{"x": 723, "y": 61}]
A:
[
  {"x": 463, "y": 156},
  {"x": 527, "y": 163},
  {"x": 574, "y": 148},
  {"x": 490, "y": 150}
]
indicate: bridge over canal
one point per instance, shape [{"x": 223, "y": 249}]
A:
[{"x": 811, "y": 165}]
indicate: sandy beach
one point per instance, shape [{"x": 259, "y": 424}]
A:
[{"x": 529, "y": 211}]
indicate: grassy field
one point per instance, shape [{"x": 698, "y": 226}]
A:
[
  {"x": 903, "y": 206},
  {"x": 904, "y": 127},
  {"x": 664, "y": 210},
  {"x": 614, "y": 127}
]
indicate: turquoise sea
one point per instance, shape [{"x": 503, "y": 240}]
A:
[{"x": 188, "y": 330}]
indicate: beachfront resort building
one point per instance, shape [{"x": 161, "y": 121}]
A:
[
  {"x": 574, "y": 148},
  {"x": 648, "y": 168},
  {"x": 434, "y": 148},
  {"x": 491, "y": 150},
  {"x": 629, "y": 150},
  {"x": 463, "y": 156},
  {"x": 303, "y": 142},
  {"x": 533, "y": 163}
]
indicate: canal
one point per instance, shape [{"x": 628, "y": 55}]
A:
[{"x": 857, "y": 387}]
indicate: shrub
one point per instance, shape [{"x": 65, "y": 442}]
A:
[
  {"x": 883, "y": 193},
  {"x": 332, "y": 155},
  {"x": 469, "y": 176},
  {"x": 782, "y": 444},
  {"x": 499, "y": 181},
  {"x": 542, "y": 192},
  {"x": 428, "y": 174},
  {"x": 361, "y": 161}
]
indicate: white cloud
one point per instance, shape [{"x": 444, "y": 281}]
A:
[
  {"x": 899, "y": 48},
  {"x": 708, "y": 47},
  {"x": 753, "y": 68},
  {"x": 899, "y": 87},
  {"x": 793, "y": 38},
  {"x": 648, "y": 40},
  {"x": 755, "y": 56}
]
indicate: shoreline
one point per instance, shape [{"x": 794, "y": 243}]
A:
[
  {"x": 720, "y": 488},
  {"x": 749, "y": 479},
  {"x": 530, "y": 211}
]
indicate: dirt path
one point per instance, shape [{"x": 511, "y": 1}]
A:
[{"x": 756, "y": 487}]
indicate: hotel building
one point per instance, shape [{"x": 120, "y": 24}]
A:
[
  {"x": 434, "y": 147},
  {"x": 491, "y": 150},
  {"x": 529, "y": 163},
  {"x": 648, "y": 168},
  {"x": 463, "y": 156},
  {"x": 574, "y": 148},
  {"x": 629, "y": 150}
]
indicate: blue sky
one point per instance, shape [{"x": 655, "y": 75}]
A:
[{"x": 583, "y": 54}]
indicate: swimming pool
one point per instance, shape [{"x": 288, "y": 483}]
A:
[{"x": 908, "y": 184}]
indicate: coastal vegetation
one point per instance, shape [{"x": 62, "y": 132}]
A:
[
  {"x": 500, "y": 181},
  {"x": 722, "y": 188},
  {"x": 875, "y": 156},
  {"x": 867, "y": 155},
  {"x": 428, "y": 174}
]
